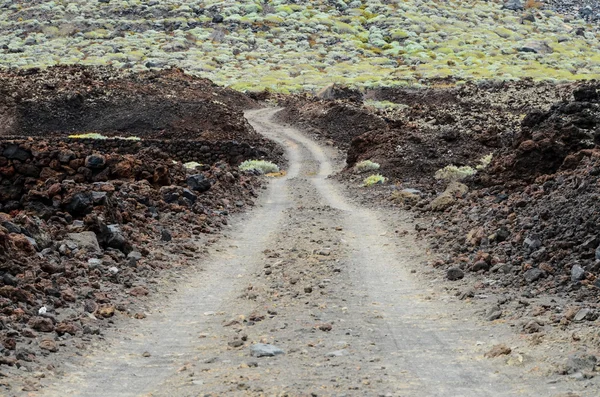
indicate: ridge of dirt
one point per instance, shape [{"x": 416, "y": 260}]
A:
[{"x": 166, "y": 104}]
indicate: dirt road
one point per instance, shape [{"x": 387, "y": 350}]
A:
[{"x": 325, "y": 280}]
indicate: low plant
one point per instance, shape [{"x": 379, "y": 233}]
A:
[
  {"x": 453, "y": 173},
  {"x": 89, "y": 135},
  {"x": 484, "y": 162},
  {"x": 95, "y": 135},
  {"x": 192, "y": 165},
  {"x": 373, "y": 180},
  {"x": 366, "y": 165},
  {"x": 264, "y": 167}
]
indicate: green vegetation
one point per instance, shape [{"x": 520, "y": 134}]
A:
[
  {"x": 192, "y": 165},
  {"x": 95, "y": 135},
  {"x": 373, "y": 180},
  {"x": 452, "y": 173},
  {"x": 284, "y": 46},
  {"x": 264, "y": 167},
  {"x": 366, "y": 165}
]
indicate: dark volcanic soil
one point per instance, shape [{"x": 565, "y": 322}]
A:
[
  {"x": 429, "y": 129},
  {"x": 164, "y": 104}
]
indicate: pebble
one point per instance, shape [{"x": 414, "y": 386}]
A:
[{"x": 265, "y": 350}]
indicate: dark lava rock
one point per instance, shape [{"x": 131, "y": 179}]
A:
[
  {"x": 80, "y": 203},
  {"x": 165, "y": 235},
  {"x": 95, "y": 161},
  {"x": 218, "y": 18},
  {"x": 480, "y": 265},
  {"x": 112, "y": 236},
  {"x": 14, "y": 152},
  {"x": 198, "y": 182},
  {"x": 586, "y": 94},
  {"x": 188, "y": 194},
  {"x": 533, "y": 275},
  {"x": 454, "y": 274}
]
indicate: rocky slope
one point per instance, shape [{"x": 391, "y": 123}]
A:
[
  {"x": 526, "y": 222},
  {"x": 90, "y": 226}
]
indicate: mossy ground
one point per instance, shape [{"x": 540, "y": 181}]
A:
[{"x": 289, "y": 47}]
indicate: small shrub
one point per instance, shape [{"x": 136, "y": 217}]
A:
[
  {"x": 264, "y": 167},
  {"x": 95, "y": 135},
  {"x": 452, "y": 173},
  {"x": 374, "y": 179},
  {"x": 366, "y": 165},
  {"x": 192, "y": 165},
  {"x": 484, "y": 162},
  {"x": 533, "y": 4},
  {"x": 89, "y": 135}
]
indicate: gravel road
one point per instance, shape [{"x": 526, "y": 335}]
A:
[{"x": 328, "y": 282}]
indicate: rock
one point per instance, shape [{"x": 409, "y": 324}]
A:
[
  {"x": 236, "y": 343},
  {"x": 24, "y": 354},
  {"x": 134, "y": 257},
  {"x": 577, "y": 273},
  {"x": 449, "y": 196},
  {"x": 579, "y": 362},
  {"x": 454, "y": 274},
  {"x": 494, "y": 315},
  {"x": 66, "y": 328},
  {"x": 514, "y": 5},
  {"x": 532, "y": 243},
  {"x": 165, "y": 235},
  {"x": 95, "y": 161},
  {"x": 498, "y": 350},
  {"x": 49, "y": 345},
  {"x": 15, "y": 152},
  {"x": 41, "y": 324},
  {"x": 442, "y": 202},
  {"x": 83, "y": 240},
  {"x": 480, "y": 265},
  {"x": 536, "y": 47},
  {"x": 94, "y": 263},
  {"x": 336, "y": 353},
  {"x": 532, "y": 327},
  {"x": 189, "y": 195},
  {"x": 325, "y": 327},
  {"x": 112, "y": 236},
  {"x": 586, "y": 94},
  {"x": 264, "y": 350},
  {"x": 80, "y": 204},
  {"x": 138, "y": 291},
  {"x": 106, "y": 311},
  {"x": 198, "y": 182},
  {"x": 582, "y": 314},
  {"x": 533, "y": 275},
  {"x": 218, "y": 18}
]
